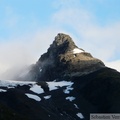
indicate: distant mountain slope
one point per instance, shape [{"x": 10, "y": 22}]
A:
[
  {"x": 67, "y": 84},
  {"x": 98, "y": 92}
]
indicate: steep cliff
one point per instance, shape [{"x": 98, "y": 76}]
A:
[{"x": 63, "y": 59}]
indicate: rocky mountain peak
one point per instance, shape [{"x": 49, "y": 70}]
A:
[
  {"x": 62, "y": 44},
  {"x": 64, "y": 59},
  {"x": 63, "y": 41}
]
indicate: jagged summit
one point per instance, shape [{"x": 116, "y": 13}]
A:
[
  {"x": 62, "y": 44},
  {"x": 64, "y": 59}
]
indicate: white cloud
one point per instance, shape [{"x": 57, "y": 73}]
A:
[
  {"x": 114, "y": 65},
  {"x": 103, "y": 42},
  {"x": 17, "y": 53}
]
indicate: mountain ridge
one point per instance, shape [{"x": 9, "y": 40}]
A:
[{"x": 64, "y": 58}]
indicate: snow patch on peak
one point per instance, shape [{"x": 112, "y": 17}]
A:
[{"x": 77, "y": 50}]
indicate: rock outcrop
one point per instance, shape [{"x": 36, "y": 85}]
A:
[{"x": 63, "y": 59}]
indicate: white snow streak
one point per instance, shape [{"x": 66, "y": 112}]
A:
[
  {"x": 80, "y": 115},
  {"x": 2, "y": 90},
  {"x": 76, "y": 106},
  {"x": 40, "y": 69},
  {"x": 47, "y": 97},
  {"x": 70, "y": 98},
  {"x": 35, "y": 97}
]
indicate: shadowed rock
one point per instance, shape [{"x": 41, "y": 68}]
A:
[{"x": 64, "y": 59}]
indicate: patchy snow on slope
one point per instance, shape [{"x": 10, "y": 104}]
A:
[
  {"x": 35, "y": 97},
  {"x": 37, "y": 89},
  {"x": 40, "y": 69},
  {"x": 68, "y": 89},
  {"x": 80, "y": 115},
  {"x": 71, "y": 98},
  {"x": 55, "y": 85},
  {"x": 76, "y": 106},
  {"x": 2, "y": 90},
  {"x": 47, "y": 97},
  {"x": 12, "y": 83},
  {"x": 77, "y": 50}
]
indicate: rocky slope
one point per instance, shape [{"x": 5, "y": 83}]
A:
[
  {"x": 70, "y": 84},
  {"x": 97, "y": 92},
  {"x": 63, "y": 59}
]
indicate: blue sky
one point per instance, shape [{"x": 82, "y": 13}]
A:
[
  {"x": 18, "y": 15},
  {"x": 28, "y": 27}
]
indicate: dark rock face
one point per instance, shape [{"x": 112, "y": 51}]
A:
[
  {"x": 97, "y": 92},
  {"x": 63, "y": 60}
]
